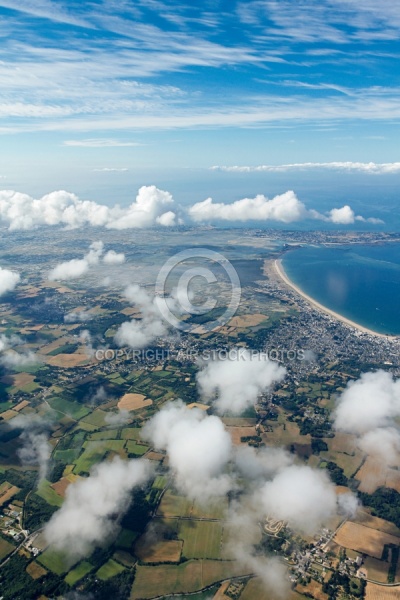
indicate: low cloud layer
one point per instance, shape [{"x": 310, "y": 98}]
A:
[
  {"x": 349, "y": 167},
  {"x": 87, "y": 516},
  {"x": 198, "y": 447},
  {"x": 369, "y": 408},
  {"x": 154, "y": 207},
  {"x": 8, "y": 280},
  {"x": 284, "y": 208},
  {"x": 139, "y": 333},
  {"x": 235, "y": 384},
  {"x": 21, "y": 211},
  {"x": 343, "y": 216}
]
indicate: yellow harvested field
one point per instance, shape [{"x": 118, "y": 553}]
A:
[
  {"x": 247, "y": 320},
  {"x": 342, "y": 489},
  {"x": 379, "y": 592},
  {"x": 364, "y": 539},
  {"x": 285, "y": 434},
  {"x": 372, "y": 475},
  {"x": 342, "y": 442},
  {"x": 134, "y": 402},
  {"x": 67, "y": 361},
  {"x": 20, "y": 380},
  {"x": 158, "y": 552},
  {"x": 8, "y": 414},
  {"x": 257, "y": 590},
  {"x": 377, "y": 570},
  {"x": 130, "y": 311},
  {"x": 364, "y": 518},
  {"x": 155, "y": 456},
  {"x": 237, "y": 433},
  {"x": 314, "y": 588},
  {"x": 61, "y": 341},
  {"x": 7, "y": 491},
  {"x": 199, "y": 406},
  {"x": 60, "y": 486},
  {"x": 393, "y": 479},
  {"x": 26, "y": 330},
  {"x": 21, "y": 405},
  {"x": 220, "y": 595},
  {"x": 35, "y": 570}
]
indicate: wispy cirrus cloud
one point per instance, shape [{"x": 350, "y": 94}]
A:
[
  {"x": 111, "y": 170},
  {"x": 330, "y": 21},
  {"x": 273, "y": 64},
  {"x": 99, "y": 143}
]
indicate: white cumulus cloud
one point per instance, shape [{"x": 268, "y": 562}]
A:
[
  {"x": 114, "y": 258},
  {"x": 72, "y": 269},
  {"x": 139, "y": 333},
  {"x": 302, "y": 496},
  {"x": 235, "y": 383},
  {"x": 198, "y": 448},
  {"x": 8, "y": 280},
  {"x": 284, "y": 208},
  {"x": 87, "y": 516},
  {"x": 9, "y": 358},
  {"x": 20, "y": 211},
  {"x": 369, "y": 408}
]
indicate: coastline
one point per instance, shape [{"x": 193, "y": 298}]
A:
[{"x": 282, "y": 274}]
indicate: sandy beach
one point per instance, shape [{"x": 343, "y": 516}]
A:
[{"x": 281, "y": 272}]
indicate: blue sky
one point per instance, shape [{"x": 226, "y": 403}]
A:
[{"x": 91, "y": 89}]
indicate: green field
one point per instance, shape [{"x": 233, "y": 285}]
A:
[
  {"x": 212, "y": 510},
  {"x": 187, "y": 577},
  {"x": 32, "y": 369},
  {"x": 66, "y": 349},
  {"x": 46, "y": 492},
  {"x": 29, "y": 388},
  {"x": 78, "y": 573},
  {"x": 130, "y": 433},
  {"x": 67, "y": 456},
  {"x": 74, "y": 409},
  {"x": 5, "y": 548},
  {"x": 160, "y": 482},
  {"x": 107, "y": 434},
  {"x": 134, "y": 448},
  {"x": 96, "y": 418},
  {"x": 53, "y": 560},
  {"x": 94, "y": 452},
  {"x": 174, "y": 506},
  {"x": 126, "y": 538},
  {"x": 109, "y": 569},
  {"x": 201, "y": 539}
]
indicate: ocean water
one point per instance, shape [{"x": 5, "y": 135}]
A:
[{"x": 361, "y": 283}]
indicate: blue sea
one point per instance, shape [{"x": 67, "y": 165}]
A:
[{"x": 361, "y": 283}]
